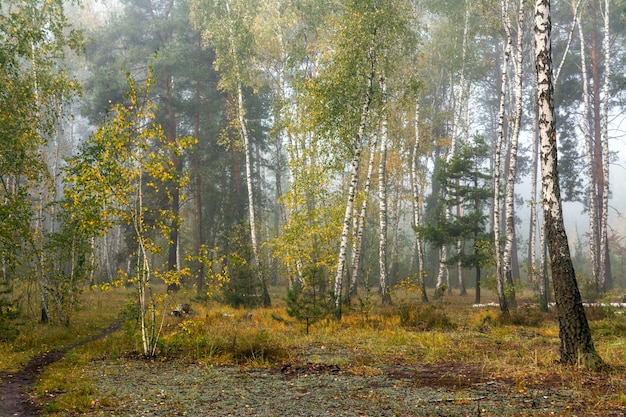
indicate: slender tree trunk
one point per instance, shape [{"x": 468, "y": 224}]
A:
[
  {"x": 532, "y": 236},
  {"x": 500, "y": 272},
  {"x": 173, "y": 263},
  {"x": 461, "y": 107},
  {"x": 382, "y": 198},
  {"x": 598, "y": 160},
  {"x": 512, "y": 172},
  {"x": 605, "y": 277},
  {"x": 358, "y": 227},
  {"x": 592, "y": 195},
  {"x": 354, "y": 179},
  {"x": 251, "y": 201},
  {"x": 576, "y": 342},
  {"x": 417, "y": 205},
  {"x": 197, "y": 165}
]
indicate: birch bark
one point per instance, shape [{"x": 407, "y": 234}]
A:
[
  {"x": 576, "y": 342},
  {"x": 604, "y": 276},
  {"x": 497, "y": 174},
  {"x": 382, "y": 197},
  {"x": 592, "y": 195},
  {"x": 358, "y": 226},
  {"x": 417, "y": 204},
  {"x": 510, "y": 187},
  {"x": 354, "y": 179},
  {"x": 245, "y": 136}
]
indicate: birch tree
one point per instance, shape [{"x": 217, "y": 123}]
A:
[
  {"x": 576, "y": 342},
  {"x": 382, "y": 195},
  {"x": 604, "y": 277},
  {"x": 110, "y": 176},
  {"x": 354, "y": 177},
  {"x": 497, "y": 181},
  {"x": 417, "y": 202},
  {"x": 514, "y": 140}
]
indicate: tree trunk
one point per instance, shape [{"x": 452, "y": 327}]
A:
[
  {"x": 500, "y": 272},
  {"x": 596, "y": 124},
  {"x": 172, "y": 250},
  {"x": 532, "y": 236},
  {"x": 382, "y": 198},
  {"x": 592, "y": 195},
  {"x": 417, "y": 205},
  {"x": 358, "y": 227},
  {"x": 197, "y": 164},
  {"x": 512, "y": 172},
  {"x": 605, "y": 276},
  {"x": 576, "y": 342},
  {"x": 251, "y": 202},
  {"x": 354, "y": 179}
]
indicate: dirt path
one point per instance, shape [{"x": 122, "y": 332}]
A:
[{"x": 14, "y": 398}]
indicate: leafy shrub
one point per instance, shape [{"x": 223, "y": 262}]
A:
[{"x": 424, "y": 316}]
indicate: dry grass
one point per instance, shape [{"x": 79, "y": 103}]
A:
[{"x": 522, "y": 348}]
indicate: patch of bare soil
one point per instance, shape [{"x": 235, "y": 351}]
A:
[{"x": 14, "y": 398}]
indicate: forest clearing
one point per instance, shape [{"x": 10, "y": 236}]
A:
[
  {"x": 445, "y": 358},
  {"x": 312, "y": 208}
]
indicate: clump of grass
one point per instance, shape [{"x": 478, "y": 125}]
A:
[
  {"x": 526, "y": 316},
  {"x": 599, "y": 312},
  {"x": 226, "y": 335},
  {"x": 424, "y": 316}
]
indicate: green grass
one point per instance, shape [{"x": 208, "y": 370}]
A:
[{"x": 96, "y": 312}]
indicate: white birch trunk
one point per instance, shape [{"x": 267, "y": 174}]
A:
[
  {"x": 510, "y": 187},
  {"x": 462, "y": 107},
  {"x": 358, "y": 226},
  {"x": 532, "y": 236},
  {"x": 382, "y": 197},
  {"x": 592, "y": 194},
  {"x": 249, "y": 183},
  {"x": 497, "y": 164},
  {"x": 576, "y": 345},
  {"x": 604, "y": 249},
  {"x": 417, "y": 205},
  {"x": 354, "y": 179}
]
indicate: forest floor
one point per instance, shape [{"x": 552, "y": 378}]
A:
[
  {"x": 309, "y": 387},
  {"x": 373, "y": 370},
  {"x": 312, "y": 384}
]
